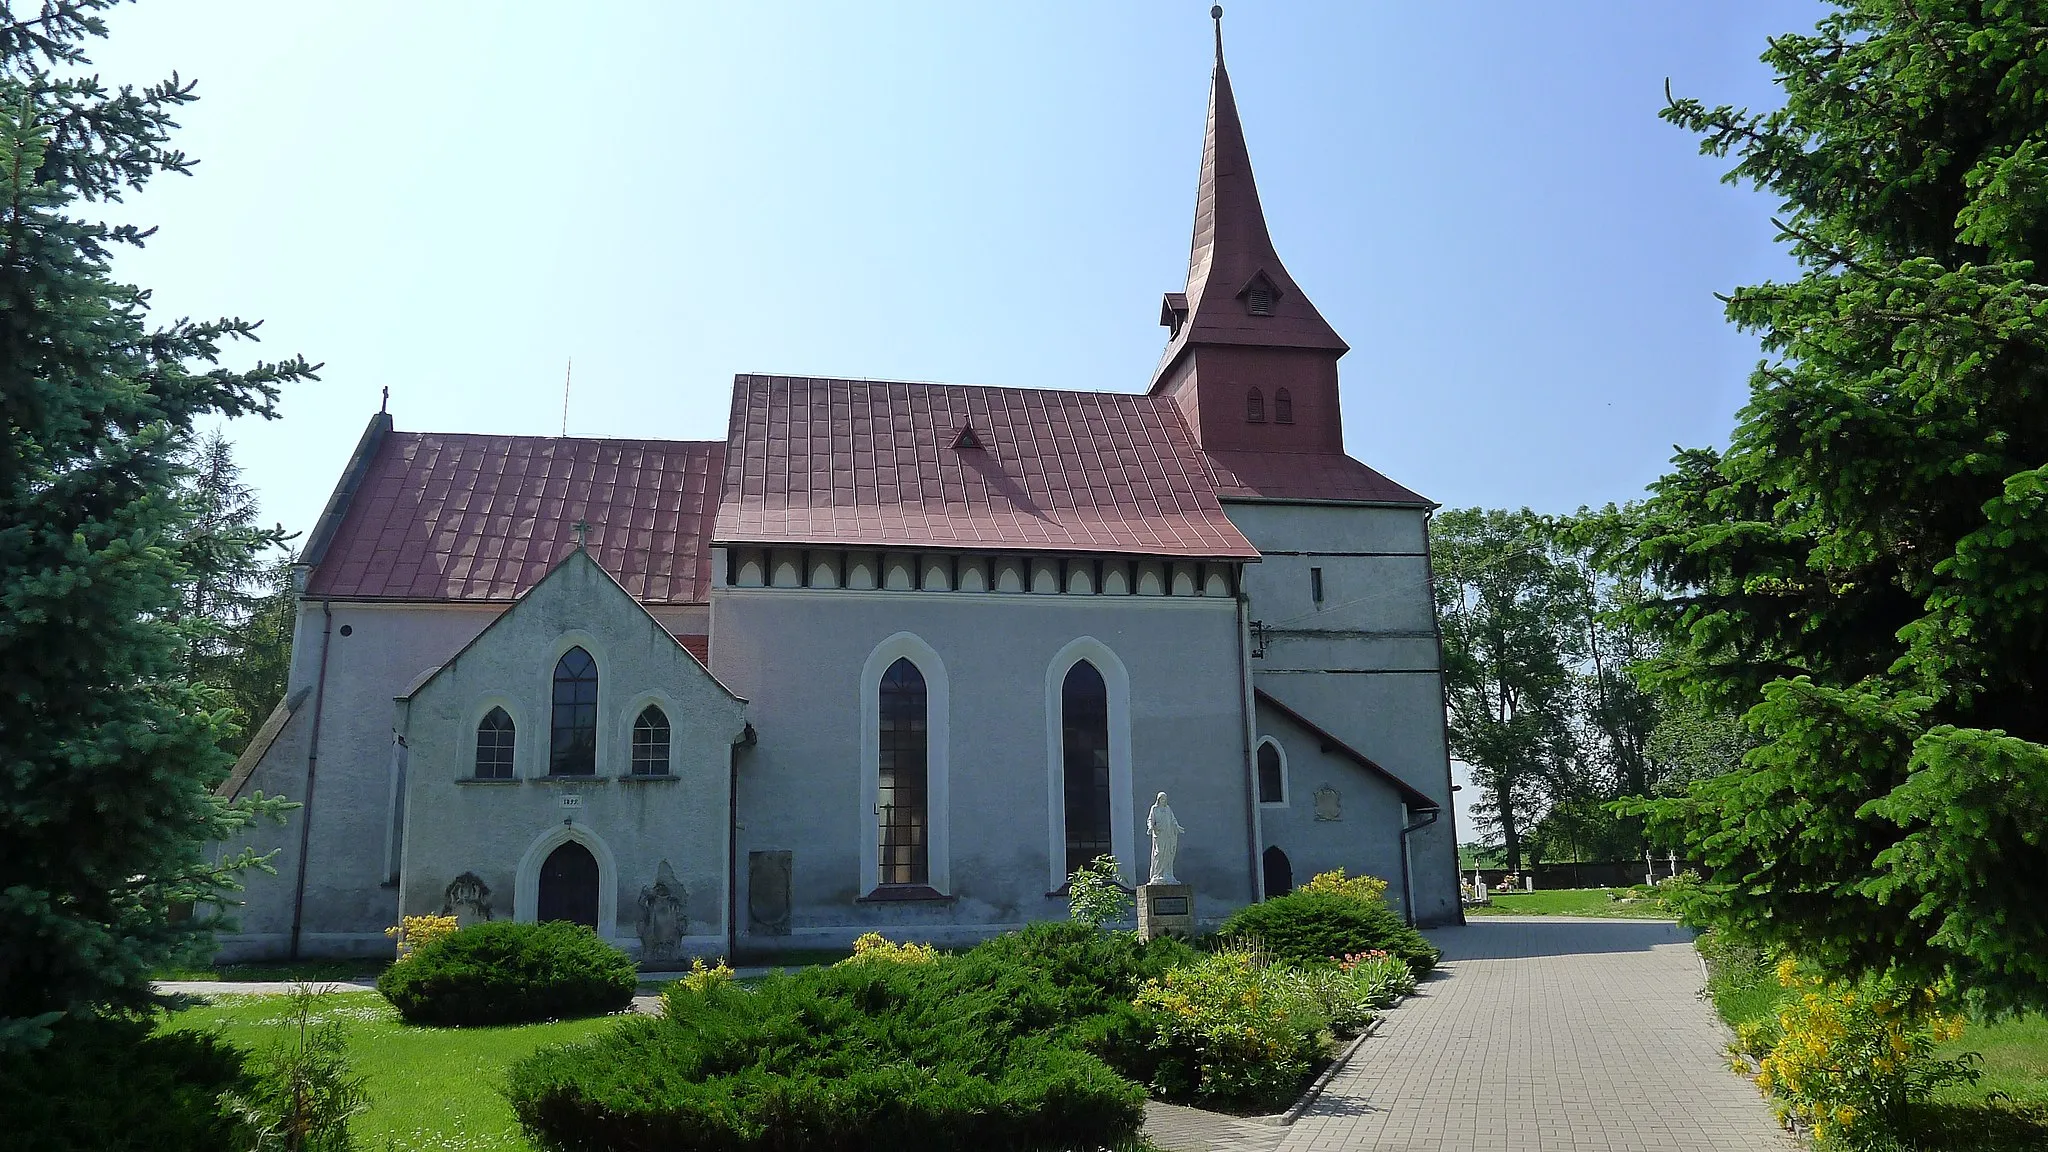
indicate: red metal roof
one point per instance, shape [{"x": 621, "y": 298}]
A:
[
  {"x": 1304, "y": 476},
  {"x": 436, "y": 516},
  {"x": 1231, "y": 248},
  {"x": 872, "y": 463}
]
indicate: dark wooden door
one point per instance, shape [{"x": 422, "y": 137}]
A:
[
  {"x": 568, "y": 886},
  {"x": 1279, "y": 873}
]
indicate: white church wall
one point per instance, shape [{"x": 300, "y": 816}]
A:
[
  {"x": 797, "y": 656},
  {"x": 503, "y": 831},
  {"x": 1357, "y": 829},
  {"x": 349, "y": 899},
  {"x": 1363, "y": 664}
]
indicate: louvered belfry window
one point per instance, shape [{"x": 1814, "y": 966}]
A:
[
  {"x": 1254, "y": 407},
  {"x": 1283, "y": 407},
  {"x": 1260, "y": 300},
  {"x": 572, "y": 748},
  {"x": 904, "y": 851},
  {"x": 494, "y": 741}
]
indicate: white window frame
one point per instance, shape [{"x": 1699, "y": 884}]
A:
[
  {"x": 1286, "y": 778},
  {"x": 905, "y": 646},
  {"x": 1122, "y": 820}
]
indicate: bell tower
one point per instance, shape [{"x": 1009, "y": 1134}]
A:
[{"x": 1249, "y": 361}]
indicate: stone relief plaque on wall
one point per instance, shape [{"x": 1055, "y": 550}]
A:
[
  {"x": 663, "y": 916},
  {"x": 768, "y": 896},
  {"x": 1329, "y": 805},
  {"x": 468, "y": 899}
]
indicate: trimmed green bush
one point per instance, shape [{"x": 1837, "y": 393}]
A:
[
  {"x": 947, "y": 1055},
  {"x": 506, "y": 973},
  {"x": 1323, "y": 927},
  {"x": 109, "y": 1086}
]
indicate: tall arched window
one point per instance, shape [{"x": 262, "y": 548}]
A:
[
  {"x": 1272, "y": 775},
  {"x": 650, "y": 743},
  {"x": 572, "y": 749},
  {"x": 1283, "y": 407},
  {"x": 1084, "y": 724},
  {"x": 494, "y": 746},
  {"x": 1255, "y": 407},
  {"x": 901, "y": 792}
]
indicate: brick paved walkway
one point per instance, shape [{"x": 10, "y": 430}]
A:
[{"x": 1544, "y": 1034}]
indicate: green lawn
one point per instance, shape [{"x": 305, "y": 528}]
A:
[
  {"x": 1609, "y": 902},
  {"x": 2005, "y": 1111},
  {"x": 430, "y": 1088},
  {"x": 313, "y": 970}
]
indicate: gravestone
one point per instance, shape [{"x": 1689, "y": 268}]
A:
[{"x": 768, "y": 897}]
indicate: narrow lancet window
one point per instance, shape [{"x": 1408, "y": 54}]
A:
[
  {"x": 1272, "y": 776},
  {"x": 650, "y": 743},
  {"x": 1084, "y": 722},
  {"x": 1255, "y": 407},
  {"x": 904, "y": 855},
  {"x": 1283, "y": 407},
  {"x": 494, "y": 740},
  {"x": 572, "y": 749}
]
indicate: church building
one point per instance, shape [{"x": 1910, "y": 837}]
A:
[{"x": 888, "y": 657}]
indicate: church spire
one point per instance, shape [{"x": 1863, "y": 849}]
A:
[{"x": 1238, "y": 292}]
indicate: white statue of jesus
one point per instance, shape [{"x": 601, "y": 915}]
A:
[{"x": 1165, "y": 840}]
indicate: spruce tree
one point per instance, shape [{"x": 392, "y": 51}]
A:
[
  {"x": 108, "y": 755},
  {"x": 1863, "y": 572}
]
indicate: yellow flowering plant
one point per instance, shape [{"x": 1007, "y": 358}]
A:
[
  {"x": 1848, "y": 1059},
  {"x": 704, "y": 977},
  {"x": 1231, "y": 1029},
  {"x": 1367, "y": 889},
  {"x": 873, "y": 947},
  {"x": 412, "y": 933}
]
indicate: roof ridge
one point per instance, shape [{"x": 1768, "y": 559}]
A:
[{"x": 1026, "y": 388}]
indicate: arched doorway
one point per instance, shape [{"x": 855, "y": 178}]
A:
[
  {"x": 568, "y": 886},
  {"x": 1279, "y": 873}
]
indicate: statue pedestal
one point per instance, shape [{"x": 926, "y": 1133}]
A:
[{"x": 1165, "y": 908}]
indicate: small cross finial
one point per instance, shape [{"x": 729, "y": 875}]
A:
[
  {"x": 384, "y": 405},
  {"x": 582, "y": 528}
]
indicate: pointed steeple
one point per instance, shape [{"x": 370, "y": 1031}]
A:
[{"x": 1238, "y": 292}]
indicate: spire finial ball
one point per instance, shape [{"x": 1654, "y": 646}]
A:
[{"x": 1216, "y": 13}]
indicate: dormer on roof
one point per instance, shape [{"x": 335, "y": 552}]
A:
[
  {"x": 965, "y": 438},
  {"x": 1173, "y": 312},
  {"x": 1259, "y": 294}
]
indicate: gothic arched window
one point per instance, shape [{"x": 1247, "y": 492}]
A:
[
  {"x": 1283, "y": 407},
  {"x": 572, "y": 748},
  {"x": 494, "y": 738},
  {"x": 901, "y": 792},
  {"x": 1272, "y": 775},
  {"x": 1254, "y": 407},
  {"x": 1084, "y": 724},
  {"x": 650, "y": 743},
  {"x": 1279, "y": 873}
]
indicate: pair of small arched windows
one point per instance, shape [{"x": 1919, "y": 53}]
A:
[
  {"x": 572, "y": 737},
  {"x": 1255, "y": 407}
]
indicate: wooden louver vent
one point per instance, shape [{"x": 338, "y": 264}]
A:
[{"x": 1260, "y": 301}]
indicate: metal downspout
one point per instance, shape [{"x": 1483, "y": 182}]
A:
[
  {"x": 1407, "y": 867},
  {"x": 312, "y": 769},
  {"x": 1251, "y": 795}
]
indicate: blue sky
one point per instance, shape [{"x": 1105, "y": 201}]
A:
[{"x": 452, "y": 200}]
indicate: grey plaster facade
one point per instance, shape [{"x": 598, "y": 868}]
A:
[
  {"x": 501, "y": 830},
  {"x": 1364, "y": 662}
]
